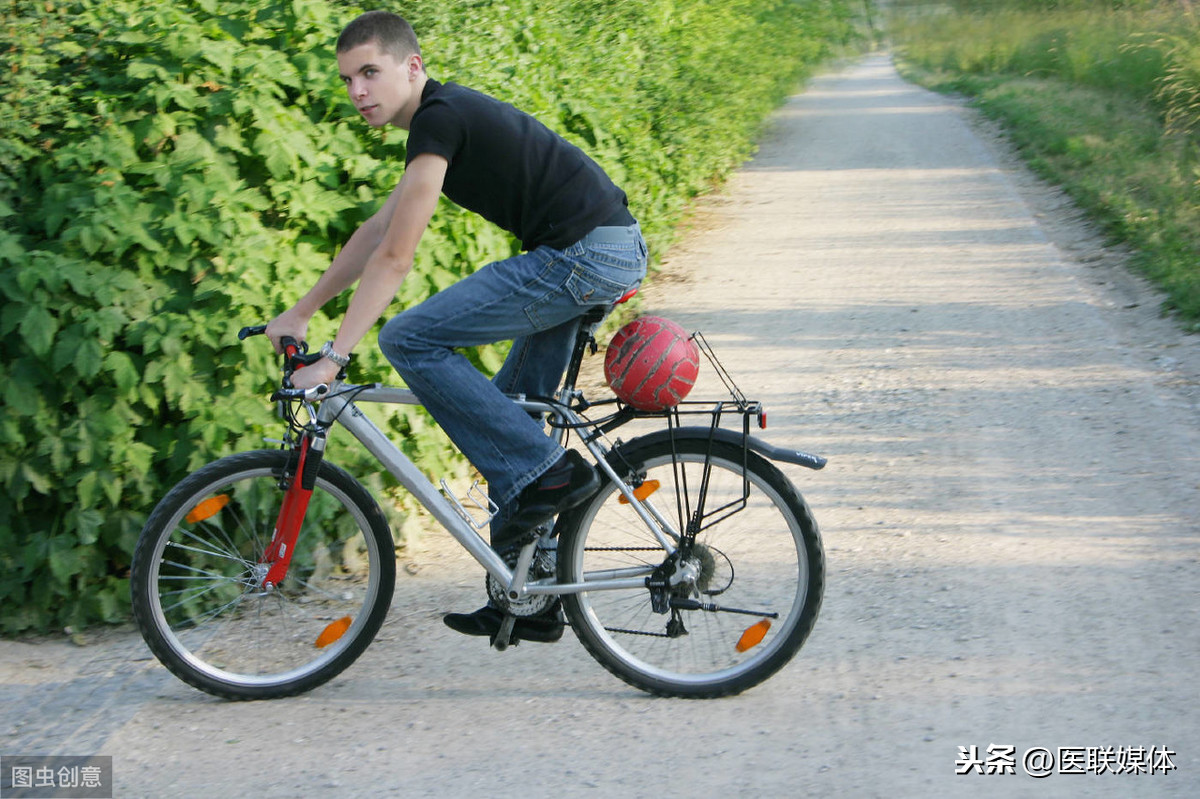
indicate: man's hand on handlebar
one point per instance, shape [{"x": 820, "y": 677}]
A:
[
  {"x": 289, "y": 323},
  {"x": 323, "y": 371}
]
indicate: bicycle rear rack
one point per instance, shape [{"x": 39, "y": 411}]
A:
[{"x": 693, "y": 520}]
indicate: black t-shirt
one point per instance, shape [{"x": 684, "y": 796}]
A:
[{"x": 511, "y": 169}]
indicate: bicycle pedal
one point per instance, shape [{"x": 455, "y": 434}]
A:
[{"x": 534, "y": 534}]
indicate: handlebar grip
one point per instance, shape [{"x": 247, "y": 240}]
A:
[
  {"x": 247, "y": 332},
  {"x": 289, "y": 344}
]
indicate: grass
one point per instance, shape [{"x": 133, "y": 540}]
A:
[{"x": 1104, "y": 102}]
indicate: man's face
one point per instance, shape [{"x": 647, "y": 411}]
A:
[{"x": 381, "y": 87}]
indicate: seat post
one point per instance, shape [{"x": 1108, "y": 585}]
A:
[{"x": 584, "y": 340}]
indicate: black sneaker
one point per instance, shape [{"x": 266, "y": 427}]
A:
[
  {"x": 544, "y": 628},
  {"x": 564, "y": 485}
]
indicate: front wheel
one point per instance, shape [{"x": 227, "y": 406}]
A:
[
  {"x": 746, "y": 595},
  {"x": 197, "y": 579}
]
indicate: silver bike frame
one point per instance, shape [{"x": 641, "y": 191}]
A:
[{"x": 340, "y": 406}]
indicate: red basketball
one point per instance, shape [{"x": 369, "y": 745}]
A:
[{"x": 651, "y": 363}]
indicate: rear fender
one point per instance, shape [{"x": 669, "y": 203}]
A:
[{"x": 768, "y": 451}]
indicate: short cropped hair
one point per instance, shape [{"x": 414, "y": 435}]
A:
[{"x": 390, "y": 31}]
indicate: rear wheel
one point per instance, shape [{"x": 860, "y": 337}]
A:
[
  {"x": 751, "y": 586},
  {"x": 197, "y": 579}
]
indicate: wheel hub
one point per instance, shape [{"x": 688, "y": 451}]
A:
[{"x": 713, "y": 569}]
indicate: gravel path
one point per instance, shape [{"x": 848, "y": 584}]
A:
[{"x": 1010, "y": 514}]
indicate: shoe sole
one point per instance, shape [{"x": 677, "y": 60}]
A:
[{"x": 475, "y": 627}]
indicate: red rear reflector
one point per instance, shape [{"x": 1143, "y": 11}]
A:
[
  {"x": 753, "y": 636},
  {"x": 334, "y": 631},
  {"x": 207, "y": 509},
  {"x": 762, "y": 420}
]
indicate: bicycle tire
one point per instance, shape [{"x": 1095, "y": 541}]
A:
[
  {"x": 764, "y": 558},
  {"x": 196, "y": 579}
]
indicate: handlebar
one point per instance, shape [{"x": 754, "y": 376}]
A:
[
  {"x": 296, "y": 356},
  {"x": 291, "y": 347}
]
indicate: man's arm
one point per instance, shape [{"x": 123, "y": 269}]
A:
[
  {"x": 380, "y": 268},
  {"x": 343, "y": 271}
]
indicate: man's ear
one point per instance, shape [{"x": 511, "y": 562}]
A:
[{"x": 415, "y": 66}]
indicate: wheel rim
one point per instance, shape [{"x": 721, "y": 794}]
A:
[
  {"x": 207, "y": 601},
  {"x": 769, "y": 573}
]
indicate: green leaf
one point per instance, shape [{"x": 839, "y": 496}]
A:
[
  {"x": 64, "y": 563},
  {"x": 113, "y": 487},
  {"x": 87, "y": 525},
  {"x": 138, "y": 459},
  {"x": 38, "y": 329},
  {"x": 192, "y": 149},
  {"x": 66, "y": 346},
  {"x": 91, "y": 238},
  {"x": 11, "y": 249},
  {"x": 220, "y": 54},
  {"x": 21, "y": 395},
  {"x": 88, "y": 358},
  {"x": 40, "y": 482},
  {"x": 11, "y": 316},
  {"x": 147, "y": 71},
  {"x": 279, "y": 163},
  {"x": 122, "y": 369},
  {"x": 86, "y": 489},
  {"x": 113, "y": 601}
]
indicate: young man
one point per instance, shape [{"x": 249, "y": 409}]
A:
[{"x": 582, "y": 248}]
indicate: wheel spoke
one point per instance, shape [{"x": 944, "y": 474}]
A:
[
  {"x": 200, "y": 602},
  {"x": 757, "y": 549}
]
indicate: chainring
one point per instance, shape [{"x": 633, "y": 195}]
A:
[{"x": 542, "y": 566}]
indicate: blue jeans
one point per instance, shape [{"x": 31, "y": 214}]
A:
[{"x": 536, "y": 299}]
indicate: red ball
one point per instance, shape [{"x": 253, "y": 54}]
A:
[{"x": 651, "y": 363}]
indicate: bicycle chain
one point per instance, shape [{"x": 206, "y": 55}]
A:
[
  {"x": 622, "y": 549},
  {"x": 635, "y": 632}
]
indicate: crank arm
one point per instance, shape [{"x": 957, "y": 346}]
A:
[{"x": 501, "y": 641}]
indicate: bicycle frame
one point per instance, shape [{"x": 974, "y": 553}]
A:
[
  {"x": 340, "y": 406},
  {"x": 225, "y": 608}
]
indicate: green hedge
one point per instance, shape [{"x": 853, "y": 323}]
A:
[{"x": 170, "y": 172}]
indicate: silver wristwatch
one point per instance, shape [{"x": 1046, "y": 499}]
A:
[{"x": 336, "y": 357}]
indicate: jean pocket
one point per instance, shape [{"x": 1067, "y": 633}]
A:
[
  {"x": 588, "y": 287},
  {"x": 624, "y": 256}
]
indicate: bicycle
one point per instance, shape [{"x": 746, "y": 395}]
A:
[{"x": 695, "y": 570}]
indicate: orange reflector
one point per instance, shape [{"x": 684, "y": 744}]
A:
[
  {"x": 334, "y": 631},
  {"x": 753, "y": 635},
  {"x": 641, "y": 492},
  {"x": 207, "y": 509}
]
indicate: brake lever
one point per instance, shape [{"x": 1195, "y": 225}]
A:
[{"x": 306, "y": 394}]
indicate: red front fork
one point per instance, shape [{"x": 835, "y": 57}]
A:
[{"x": 291, "y": 515}]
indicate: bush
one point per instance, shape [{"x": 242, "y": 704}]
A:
[{"x": 170, "y": 172}]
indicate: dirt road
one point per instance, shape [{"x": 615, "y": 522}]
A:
[{"x": 1010, "y": 514}]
